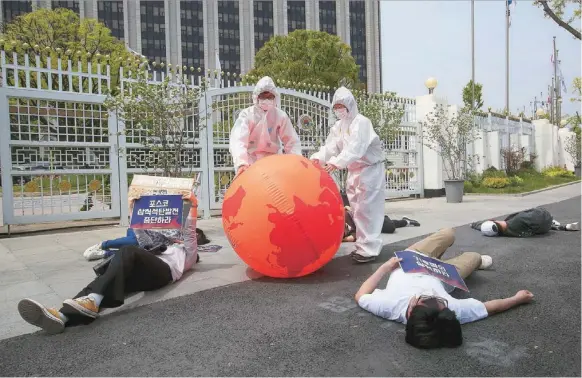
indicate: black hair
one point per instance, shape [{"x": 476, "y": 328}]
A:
[
  {"x": 201, "y": 236},
  {"x": 429, "y": 327}
]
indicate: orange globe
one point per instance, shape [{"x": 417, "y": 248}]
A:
[{"x": 284, "y": 216}]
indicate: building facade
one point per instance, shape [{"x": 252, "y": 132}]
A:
[{"x": 225, "y": 34}]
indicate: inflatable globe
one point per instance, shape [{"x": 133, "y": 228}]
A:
[{"x": 284, "y": 216}]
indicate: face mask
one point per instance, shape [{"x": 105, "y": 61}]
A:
[
  {"x": 341, "y": 113},
  {"x": 266, "y": 104}
]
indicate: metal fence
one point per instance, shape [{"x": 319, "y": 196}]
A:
[{"x": 65, "y": 157}]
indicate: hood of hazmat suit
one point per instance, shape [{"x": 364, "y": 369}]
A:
[
  {"x": 262, "y": 129},
  {"x": 352, "y": 142}
]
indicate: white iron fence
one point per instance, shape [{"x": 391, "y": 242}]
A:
[{"x": 64, "y": 157}]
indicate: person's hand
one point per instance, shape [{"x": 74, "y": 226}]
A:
[
  {"x": 330, "y": 168},
  {"x": 316, "y": 162},
  {"x": 391, "y": 264},
  {"x": 241, "y": 169},
  {"x": 191, "y": 197},
  {"x": 524, "y": 296}
]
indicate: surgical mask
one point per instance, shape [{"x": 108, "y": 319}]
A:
[
  {"x": 341, "y": 113},
  {"x": 266, "y": 104}
]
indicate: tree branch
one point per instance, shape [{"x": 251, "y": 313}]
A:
[{"x": 558, "y": 20}]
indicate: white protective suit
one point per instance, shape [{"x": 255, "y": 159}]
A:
[
  {"x": 353, "y": 144},
  {"x": 258, "y": 133}
]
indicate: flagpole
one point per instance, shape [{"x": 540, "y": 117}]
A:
[
  {"x": 507, "y": 55},
  {"x": 473, "y": 51}
]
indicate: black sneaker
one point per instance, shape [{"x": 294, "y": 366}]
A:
[
  {"x": 412, "y": 222},
  {"x": 361, "y": 259}
]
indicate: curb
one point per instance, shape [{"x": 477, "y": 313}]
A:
[{"x": 526, "y": 193}]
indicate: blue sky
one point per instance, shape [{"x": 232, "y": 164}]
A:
[{"x": 421, "y": 39}]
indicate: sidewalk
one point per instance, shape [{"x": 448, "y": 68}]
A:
[{"x": 51, "y": 268}]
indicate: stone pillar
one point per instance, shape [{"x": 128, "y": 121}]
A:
[
  {"x": 544, "y": 143},
  {"x": 432, "y": 165}
]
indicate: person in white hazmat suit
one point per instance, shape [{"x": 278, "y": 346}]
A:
[
  {"x": 353, "y": 144},
  {"x": 261, "y": 128}
]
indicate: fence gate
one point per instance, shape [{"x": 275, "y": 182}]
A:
[
  {"x": 309, "y": 115},
  {"x": 59, "y": 157}
]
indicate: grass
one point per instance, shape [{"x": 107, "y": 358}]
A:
[
  {"x": 58, "y": 185},
  {"x": 531, "y": 181}
]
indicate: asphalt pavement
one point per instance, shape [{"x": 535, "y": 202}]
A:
[{"x": 311, "y": 326}]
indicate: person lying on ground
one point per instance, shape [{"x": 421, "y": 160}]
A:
[
  {"x": 535, "y": 221},
  {"x": 388, "y": 227},
  {"x": 131, "y": 270},
  {"x": 140, "y": 238},
  {"x": 421, "y": 301}
]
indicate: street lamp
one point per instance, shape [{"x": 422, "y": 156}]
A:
[{"x": 431, "y": 84}]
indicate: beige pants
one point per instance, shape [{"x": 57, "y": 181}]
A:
[{"x": 435, "y": 246}]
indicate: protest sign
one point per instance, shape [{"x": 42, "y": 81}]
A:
[
  {"x": 142, "y": 185},
  {"x": 414, "y": 262},
  {"x": 157, "y": 212}
]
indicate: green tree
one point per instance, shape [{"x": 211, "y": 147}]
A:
[
  {"x": 163, "y": 117},
  {"x": 577, "y": 89},
  {"x": 565, "y": 16},
  {"x": 61, "y": 33},
  {"x": 468, "y": 95},
  {"x": 308, "y": 56}
]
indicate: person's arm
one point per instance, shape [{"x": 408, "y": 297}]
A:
[
  {"x": 239, "y": 141},
  {"x": 189, "y": 233},
  {"x": 328, "y": 149},
  {"x": 289, "y": 137},
  {"x": 372, "y": 283},
  {"x": 359, "y": 140},
  {"x": 499, "y": 305}
]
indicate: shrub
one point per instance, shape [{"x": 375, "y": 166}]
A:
[
  {"x": 495, "y": 182},
  {"x": 475, "y": 179},
  {"x": 515, "y": 181},
  {"x": 468, "y": 187},
  {"x": 513, "y": 157},
  {"x": 493, "y": 172},
  {"x": 557, "y": 171}
]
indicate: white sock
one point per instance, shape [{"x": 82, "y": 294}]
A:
[
  {"x": 407, "y": 222},
  {"x": 63, "y": 317},
  {"x": 97, "y": 298}
]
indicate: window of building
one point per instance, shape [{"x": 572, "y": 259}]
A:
[
  {"x": 327, "y": 17},
  {"x": 72, "y": 5},
  {"x": 111, "y": 14},
  {"x": 264, "y": 29},
  {"x": 153, "y": 30},
  {"x": 192, "y": 19},
  {"x": 13, "y": 9},
  {"x": 358, "y": 36},
  {"x": 296, "y": 15},
  {"x": 229, "y": 36}
]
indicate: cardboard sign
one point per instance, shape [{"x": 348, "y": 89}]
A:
[
  {"x": 157, "y": 212},
  {"x": 414, "y": 262},
  {"x": 142, "y": 185}
]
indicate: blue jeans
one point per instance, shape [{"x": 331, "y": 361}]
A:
[{"x": 128, "y": 239}]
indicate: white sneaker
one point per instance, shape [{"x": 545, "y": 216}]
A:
[
  {"x": 486, "y": 262},
  {"x": 94, "y": 252},
  {"x": 573, "y": 226}
]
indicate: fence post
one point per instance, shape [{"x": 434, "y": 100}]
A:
[
  {"x": 122, "y": 171},
  {"x": 420, "y": 158},
  {"x": 205, "y": 145},
  {"x": 6, "y": 160}
]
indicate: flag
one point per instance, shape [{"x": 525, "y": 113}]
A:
[
  {"x": 510, "y": 4},
  {"x": 564, "y": 89}
]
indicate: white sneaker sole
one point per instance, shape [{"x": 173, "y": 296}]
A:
[
  {"x": 36, "y": 314},
  {"x": 71, "y": 304},
  {"x": 486, "y": 262}
]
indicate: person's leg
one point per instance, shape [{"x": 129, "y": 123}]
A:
[
  {"x": 132, "y": 269},
  {"x": 389, "y": 226},
  {"x": 368, "y": 210},
  {"x": 466, "y": 263},
  {"x": 436, "y": 244},
  {"x": 128, "y": 239}
]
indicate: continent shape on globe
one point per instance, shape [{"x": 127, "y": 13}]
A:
[{"x": 284, "y": 216}]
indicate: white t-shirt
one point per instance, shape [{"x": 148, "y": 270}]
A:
[
  {"x": 182, "y": 257},
  {"x": 391, "y": 303}
]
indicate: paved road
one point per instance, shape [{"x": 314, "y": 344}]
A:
[{"x": 311, "y": 326}]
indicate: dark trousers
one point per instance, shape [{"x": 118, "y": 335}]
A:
[
  {"x": 132, "y": 269},
  {"x": 390, "y": 225}
]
